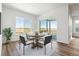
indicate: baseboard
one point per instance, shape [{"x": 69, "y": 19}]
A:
[{"x": 75, "y": 36}]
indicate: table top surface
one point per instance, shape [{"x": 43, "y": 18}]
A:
[{"x": 37, "y": 35}]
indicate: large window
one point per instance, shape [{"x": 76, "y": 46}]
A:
[
  {"x": 77, "y": 25},
  {"x": 23, "y": 25},
  {"x": 49, "y": 26},
  {"x": 43, "y": 26}
]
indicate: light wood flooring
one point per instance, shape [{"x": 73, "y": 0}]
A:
[{"x": 59, "y": 49}]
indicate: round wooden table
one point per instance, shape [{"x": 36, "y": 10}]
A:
[{"x": 36, "y": 41}]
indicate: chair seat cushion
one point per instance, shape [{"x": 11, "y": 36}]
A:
[
  {"x": 31, "y": 38},
  {"x": 29, "y": 42},
  {"x": 42, "y": 42}
]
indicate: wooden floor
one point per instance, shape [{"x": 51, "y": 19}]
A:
[{"x": 61, "y": 49}]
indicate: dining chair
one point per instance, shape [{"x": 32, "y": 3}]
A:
[
  {"x": 48, "y": 39},
  {"x": 29, "y": 38},
  {"x": 22, "y": 40}
]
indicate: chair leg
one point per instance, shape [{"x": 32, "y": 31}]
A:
[
  {"x": 19, "y": 44},
  {"x": 51, "y": 45},
  {"x": 23, "y": 50},
  {"x": 45, "y": 50}
]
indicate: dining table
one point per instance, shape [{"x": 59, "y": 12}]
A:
[{"x": 37, "y": 38}]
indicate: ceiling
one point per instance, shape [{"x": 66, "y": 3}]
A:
[{"x": 35, "y": 8}]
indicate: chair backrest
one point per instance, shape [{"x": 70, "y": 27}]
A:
[
  {"x": 27, "y": 36},
  {"x": 22, "y": 39},
  {"x": 47, "y": 39}
]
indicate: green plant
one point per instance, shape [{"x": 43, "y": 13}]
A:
[{"x": 7, "y": 33}]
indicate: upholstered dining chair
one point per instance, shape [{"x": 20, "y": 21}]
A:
[
  {"x": 29, "y": 38},
  {"x": 25, "y": 43},
  {"x": 48, "y": 39}
]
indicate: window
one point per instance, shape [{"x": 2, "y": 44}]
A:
[
  {"x": 23, "y": 25},
  {"x": 77, "y": 25},
  {"x": 43, "y": 26},
  {"x": 53, "y": 26},
  {"x": 49, "y": 26},
  {"x": 28, "y": 26}
]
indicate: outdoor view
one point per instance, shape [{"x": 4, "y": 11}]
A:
[
  {"x": 49, "y": 26},
  {"x": 23, "y": 25}
]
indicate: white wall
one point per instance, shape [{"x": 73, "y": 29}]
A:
[
  {"x": 70, "y": 23},
  {"x": 9, "y": 20},
  {"x": 0, "y": 7},
  {"x": 62, "y": 18},
  {"x": 74, "y": 33},
  {"x": 0, "y": 35},
  {"x": 74, "y": 9},
  {"x": 70, "y": 27},
  {"x": 75, "y": 16}
]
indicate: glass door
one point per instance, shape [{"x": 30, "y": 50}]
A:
[
  {"x": 53, "y": 29},
  {"x": 43, "y": 26},
  {"x": 49, "y": 26}
]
